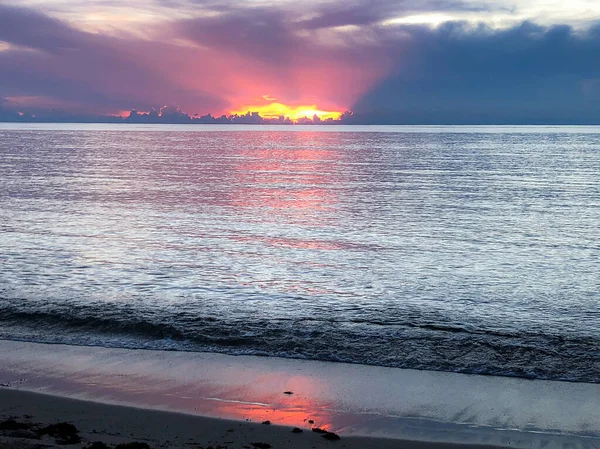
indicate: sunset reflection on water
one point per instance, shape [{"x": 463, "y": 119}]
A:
[{"x": 292, "y": 179}]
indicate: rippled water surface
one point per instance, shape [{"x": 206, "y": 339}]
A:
[{"x": 461, "y": 249}]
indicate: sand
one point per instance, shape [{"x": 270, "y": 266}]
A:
[
  {"x": 175, "y": 399},
  {"x": 114, "y": 424}
]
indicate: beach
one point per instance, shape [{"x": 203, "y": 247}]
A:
[
  {"x": 433, "y": 285},
  {"x": 299, "y": 225},
  {"x": 124, "y": 393},
  {"x": 113, "y": 425}
]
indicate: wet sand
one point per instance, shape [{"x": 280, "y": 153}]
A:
[
  {"x": 184, "y": 399},
  {"x": 113, "y": 425}
]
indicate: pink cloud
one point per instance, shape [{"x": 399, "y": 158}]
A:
[{"x": 210, "y": 64}]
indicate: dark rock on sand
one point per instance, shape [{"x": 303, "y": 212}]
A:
[
  {"x": 297, "y": 430},
  {"x": 64, "y": 433},
  {"x": 318, "y": 430},
  {"x": 261, "y": 445},
  {"x": 288, "y": 392},
  {"x": 23, "y": 433},
  {"x": 267, "y": 422},
  {"x": 310, "y": 421},
  {"x": 134, "y": 445},
  {"x": 11, "y": 424},
  {"x": 98, "y": 445},
  {"x": 331, "y": 436}
]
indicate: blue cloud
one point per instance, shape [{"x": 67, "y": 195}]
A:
[{"x": 457, "y": 74}]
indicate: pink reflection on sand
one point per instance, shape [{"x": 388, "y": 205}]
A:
[
  {"x": 356, "y": 399},
  {"x": 298, "y": 413},
  {"x": 231, "y": 392}
]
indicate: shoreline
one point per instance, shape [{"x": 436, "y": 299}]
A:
[
  {"x": 117, "y": 424},
  {"x": 299, "y": 359},
  {"x": 355, "y": 401}
]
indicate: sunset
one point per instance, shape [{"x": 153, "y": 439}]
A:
[
  {"x": 326, "y": 224},
  {"x": 270, "y": 108},
  {"x": 388, "y": 63}
]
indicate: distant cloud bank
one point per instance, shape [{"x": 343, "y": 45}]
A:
[{"x": 168, "y": 115}]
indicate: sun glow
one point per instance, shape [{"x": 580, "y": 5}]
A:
[{"x": 273, "y": 110}]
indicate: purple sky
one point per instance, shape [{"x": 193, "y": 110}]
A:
[{"x": 380, "y": 58}]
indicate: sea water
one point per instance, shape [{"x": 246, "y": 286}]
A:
[{"x": 466, "y": 249}]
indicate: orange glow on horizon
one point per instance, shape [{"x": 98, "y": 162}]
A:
[{"x": 275, "y": 110}]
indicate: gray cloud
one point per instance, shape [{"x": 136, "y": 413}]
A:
[
  {"x": 100, "y": 72},
  {"x": 373, "y": 12},
  {"x": 262, "y": 33},
  {"x": 456, "y": 74}
]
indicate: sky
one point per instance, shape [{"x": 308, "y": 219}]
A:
[{"x": 387, "y": 61}]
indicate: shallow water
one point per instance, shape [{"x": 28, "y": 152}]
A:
[{"x": 458, "y": 249}]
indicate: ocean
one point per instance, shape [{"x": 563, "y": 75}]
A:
[{"x": 463, "y": 249}]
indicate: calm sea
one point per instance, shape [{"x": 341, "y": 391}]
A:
[{"x": 468, "y": 249}]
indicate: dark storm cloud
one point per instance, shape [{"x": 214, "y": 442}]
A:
[
  {"x": 456, "y": 74},
  {"x": 28, "y": 28}
]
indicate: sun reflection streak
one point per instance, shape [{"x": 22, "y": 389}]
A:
[{"x": 292, "y": 180}]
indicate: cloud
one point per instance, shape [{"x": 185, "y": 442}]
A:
[
  {"x": 218, "y": 56},
  {"x": 264, "y": 51},
  {"x": 208, "y": 63},
  {"x": 127, "y": 14},
  {"x": 460, "y": 74},
  {"x": 6, "y": 114},
  {"x": 49, "y": 58},
  {"x": 373, "y": 12}
]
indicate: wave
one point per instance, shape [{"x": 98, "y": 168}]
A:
[{"x": 410, "y": 344}]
